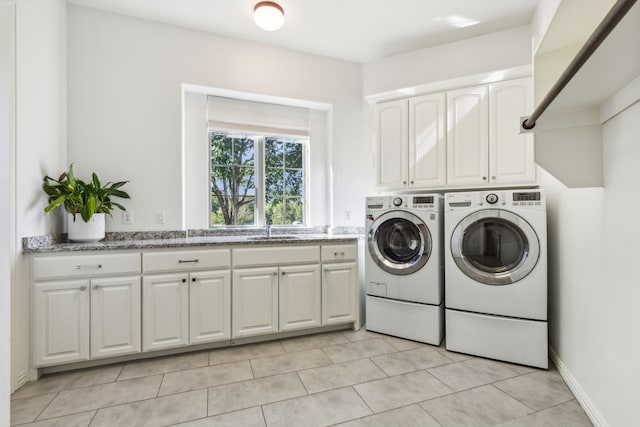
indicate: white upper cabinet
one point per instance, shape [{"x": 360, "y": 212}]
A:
[
  {"x": 511, "y": 154},
  {"x": 427, "y": 143},
  {"x": 411, "y": 142},
  {"x": 485, "y": 147},
  {"x": 468, "y": 137},
  {"x": 392, "y": 144}
]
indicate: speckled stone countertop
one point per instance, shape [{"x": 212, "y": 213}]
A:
[{"x": 179, "y": 239}]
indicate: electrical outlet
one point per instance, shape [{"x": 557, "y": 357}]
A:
[
  {"x": 127, "y": 218},
  {"x": 160, "y": 217},
  {"x": 347, "y": 215}
]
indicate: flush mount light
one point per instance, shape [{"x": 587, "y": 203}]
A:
[{"x": 268, "y": 15}]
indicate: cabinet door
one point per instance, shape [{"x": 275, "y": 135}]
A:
[
  {"x": 209, "y": 306},
  {"x": 427, "y": 144},
  {"x": 165, "y": 311},
  {"x": 115, "y": 316},
  {"x": 300, "y": 293},
  {"x": 255, "y": 301},
  {"x": 467, "y": 137},
  {"x": 392, "y": 144},
  {"x": 511, "y": 154},
  {"x": 339, "y": 288},
  {"x": 61, "y": 322}
]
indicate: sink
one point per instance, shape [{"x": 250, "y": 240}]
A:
[{"x": 280, "y": 237}]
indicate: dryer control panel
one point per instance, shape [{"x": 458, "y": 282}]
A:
[{"x": 495, "y": 199}]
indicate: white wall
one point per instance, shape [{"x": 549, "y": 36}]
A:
[
  {"x": 7, "y": 122},
  {"x": 491, "y": 52},
  {"x": 125, "y": 122},
  {"x": 40, "y": 147},
  {"x": 594, "y": 292}
]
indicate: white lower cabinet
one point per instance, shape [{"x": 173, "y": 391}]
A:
[
  {"x": 61, "y": 322},
  {"x": 77, "y": 320},
  {"x": 300, "y": 294},
  {"x": 209, "y": 306},
  {"x": 186, "y": 305},
  {"x": 339, "y": 292},
  {"x": 92, "y": 306},
  {"x": 165, "y": 311},
  {"x": 186, "y": 308},
  {"x": 275, "y": 299},
  {"x": 340, "y": 289},
  {"x": 115, "y": 316},
  {"x": 255, "y": 301},
  {"x": 85, "y": 306}
]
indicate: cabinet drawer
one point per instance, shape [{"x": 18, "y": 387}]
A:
[
  {"x": 185, "y": 260},
  {"x": 347, "y": 252},
  {"x": 50, "y": 267},
  {"x": 279, "y": 255}
]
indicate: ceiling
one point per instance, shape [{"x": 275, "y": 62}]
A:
[{"x": 354, "y": 30}]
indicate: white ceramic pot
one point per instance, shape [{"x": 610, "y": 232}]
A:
[{"x": 80, "y": 231}]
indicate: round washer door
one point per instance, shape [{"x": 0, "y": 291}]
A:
[
  {"x": 399, "y": 242},
  {"x": 495, "y": 247}
]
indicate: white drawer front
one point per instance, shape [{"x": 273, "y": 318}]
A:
[
  {"x": 347, "y": 252},
  {"x": 186, "y": 260},
  {"x": 278, "y": 255},
  {"x": 49, "y": 267}
]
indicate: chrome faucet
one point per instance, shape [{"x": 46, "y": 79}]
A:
[{"x": 268, "y": 223}]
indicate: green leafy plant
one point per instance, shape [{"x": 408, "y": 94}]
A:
[{"x": 80, "y": 197}]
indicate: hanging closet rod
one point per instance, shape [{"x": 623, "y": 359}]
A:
[{"x": 615, "y": 15}]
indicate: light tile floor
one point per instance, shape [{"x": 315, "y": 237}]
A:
[{"x": 348, "y": 378}]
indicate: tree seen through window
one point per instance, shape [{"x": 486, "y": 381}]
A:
[{"x": 234, "y": 199}]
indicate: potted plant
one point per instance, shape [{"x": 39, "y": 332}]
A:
[{"x": 89, "y": 200}]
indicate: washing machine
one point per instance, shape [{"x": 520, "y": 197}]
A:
[
  {"x": 496, "y": 275},
  {"x": 404, "y": 267}
]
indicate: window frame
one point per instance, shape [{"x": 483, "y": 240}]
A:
[{"x": 260, "y": 184}]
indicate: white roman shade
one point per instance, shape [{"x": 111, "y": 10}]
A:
[{"x": 259, "y": 117}]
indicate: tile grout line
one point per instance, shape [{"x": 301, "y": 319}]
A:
[{"x": 45, "y": 408}]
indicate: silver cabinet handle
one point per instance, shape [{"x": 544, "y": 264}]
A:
[
  {"x": 86, "y": 267},
  {"x": 96, "y": 286},
  {"x": 338, "y": 254},
  {"x": 185, "y": 261},
  {"x": 83, "y": 288}
]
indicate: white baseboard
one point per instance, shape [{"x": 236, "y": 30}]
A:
[{"x": 589, "y": 408}]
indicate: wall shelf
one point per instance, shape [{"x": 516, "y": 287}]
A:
[{"x": 569, "y": 133}]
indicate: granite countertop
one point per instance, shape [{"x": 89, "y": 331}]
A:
[{"x": 51, "y": 244}]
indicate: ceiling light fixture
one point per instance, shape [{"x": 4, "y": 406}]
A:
[{"x": 268, "y": 15}]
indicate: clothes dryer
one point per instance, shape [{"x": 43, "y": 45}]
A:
[
  {"x": 496, "y": 275},
  {"x": 404, "y": 266}
]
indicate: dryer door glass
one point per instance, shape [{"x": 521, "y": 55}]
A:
[
  {"x": 495, "y": 247},
  {"x": 399, "y": 242}
]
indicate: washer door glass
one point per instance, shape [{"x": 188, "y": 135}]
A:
[
  {"x": 399, "y": 242},
  {"x": 495, "y": 247}
]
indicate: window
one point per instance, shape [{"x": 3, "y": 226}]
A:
[{"x": 254, "y": 176}]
